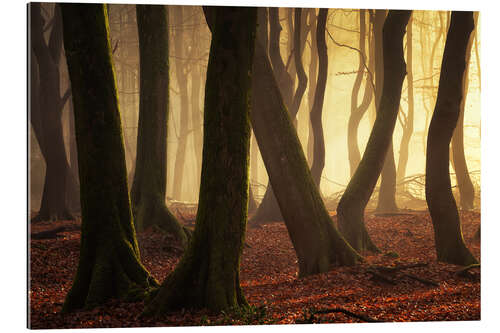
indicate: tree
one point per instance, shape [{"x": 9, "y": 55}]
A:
[
  {"x": 317, "y": 110},
  {"x": 109, "y": 265},
  {"x": 464, "y": 182},
  {"x": 317, "y": 243},
  {"x": 450, "y": 246},
  {"x": 357, "y": 112},
  {"x": 350, "y": 210},
  {"x": 207, "y": 275},
  {"x": 387, "y": 193},
  {"x": 46, "y": 119},
  {"x": 149, "y": 185}
]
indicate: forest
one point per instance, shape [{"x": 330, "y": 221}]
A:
[{"x": 216, "y": 165}]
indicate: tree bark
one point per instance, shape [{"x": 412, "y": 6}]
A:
[
  {"x": 350, "y": 210},
  {"x": 357, "y": 112},
  {"x": 149, "y": 186},
  {"x": 317, "y": 110},
  {"x": 387, "y": 192},
  {"x": 208, "y": 274},
  {"x": 450, "y": 246},
  {"x": 48, "y": 129},
  {"x": 459, "y": 163},
  {"x": 109, "y": 265}
]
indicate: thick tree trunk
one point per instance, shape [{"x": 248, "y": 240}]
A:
[
  {"x": 387, "y": 192},
  {"x": 357, "y": 112},
  {"x": 208, "y": 274},
  {"x": 350, "y": 210},
  {"x": 408, "y": 122},
  {"x": 149, "y": 186},
  {"x": 180, "y": 157},
  {"x": 317, "y": 243},
  {"x": 464, "y": 182},
  {"x": 109, "y": 265},
  {"x": 317, "y": 110},
  {"x": 450, "y": 246},
  {"x": 54, "y": 200}
]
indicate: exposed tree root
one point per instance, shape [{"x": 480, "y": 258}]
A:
[{"x": 312, "y": 315}]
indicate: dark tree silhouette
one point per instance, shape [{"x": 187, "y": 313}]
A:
[
  {"x": 46, "y": 120},
  {"x": 450, "y": 246},
  {"x": 109, "y": 265},
  {"x": 357, "y": 112},
  {"x": 207, "y": 275},
  {"x": 317, "y": 243},
  {"x": 149, "y": 186},
  {"x": 299, "y": 66},
  {"x": 317, "y": 110},
  {"x": 350, "y": 210}
]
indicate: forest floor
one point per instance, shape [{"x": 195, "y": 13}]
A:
[{"x": 431, "y": 291}]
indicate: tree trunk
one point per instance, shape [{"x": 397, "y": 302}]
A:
[
  {"x": 299, "y": 67},
  {"x": 180, "y": 157},
  {"x": 109, "y": 265},
  {"x": 196, "y": 112},
  {"x": 317, "y": 243},
  {"x": 208, "y": 274},
  {"x": 357, "y": 112},
  {"x": 408, "y": 122},
  {"x": 54, "y": 200},
  {"x": 350, "y": 210},
  {"x": 313, "y": 72},
  {"x": 387, "y": 192},
  {"x": 317, "y": 110},
  {"x": 450, "y": 246},
  {"x": 464, "y": 182},
  {"x": 149, "y": 186}
]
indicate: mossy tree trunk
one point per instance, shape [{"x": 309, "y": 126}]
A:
[
  {"x": 109, "y": 265},
  {"x": 407, "y": 123},
  {"x": 358, "y": 111},
  {"x": 149, "y": 186},
  {"x": 317, "y": 243},
  {"x": 207, "y": 276},
  {"x": 459, "y": 163},
  {"x": 387, "y": 193},
  {"x": 450, "y": 246},
  {"x": 350, "y": 210},
  {"x": 317, "y": 109},
  {"x": 47, "y": 118}
]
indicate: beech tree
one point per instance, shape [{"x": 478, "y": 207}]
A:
[
  {"x": 450, "y": 246},
  {"x": 149, "y": 185},
  {"x": 350, "y": 210},
  {"x": 207, "y": 275},
  {"x": 109, "y": 264}
]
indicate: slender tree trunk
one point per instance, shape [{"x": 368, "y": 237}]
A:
[
  {"x": 317, "y": 110},
  {"x": 450, "y": 246},
  {"x": 408, "y": 123},
  {"x": 54, "y": 204},
  {"x": 299, "y": 67},
  {"x": 109, "y": 265},
  {"x": 313, "y": 72},
  {"x": 350, "y": 210},
  {"x": 357, "y": 112},
  {"x": 208, "y": 274},
  {"x": 464, "y": 182},
  {"x": 196, "y": 112},
  {"x": 180, "y": 157},
  {"x": 317, "y": 243},
  {"x": 387, "y": 193},
  {"x": 149, "y": 186}
]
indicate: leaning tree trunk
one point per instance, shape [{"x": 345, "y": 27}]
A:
[
  {"x": 387, "y": 192},
  {"x": 109, "y": 265},
  {"x": 459, "y": 163},
  {"x": 450, "y": 246},
  {"x": 54, "y": 204},
  {"x": 357, "y": 112},
  {"x": 149, "y": 186},
  {"x": 317, "y": 243},
  {"x": 350, "y": 210},
  {"x": 317, "y": 110},
  {"x": 208, "y": 274}
]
